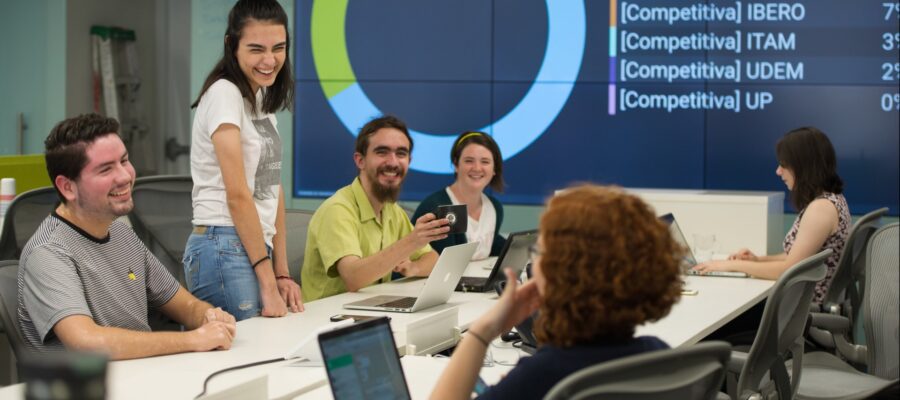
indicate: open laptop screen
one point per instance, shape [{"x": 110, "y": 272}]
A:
[
  {"x": 362, "y": 362},
  {"x": 515, "y": 254},
  {"x": 688, "y": 261}
]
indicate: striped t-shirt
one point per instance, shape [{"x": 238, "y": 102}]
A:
[{"x": 65, "y": 271}]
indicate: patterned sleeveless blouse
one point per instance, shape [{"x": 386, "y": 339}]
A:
[{"x": 835, "y": 241}]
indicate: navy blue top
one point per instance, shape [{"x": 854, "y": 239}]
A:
[
  {"x": 439, "y": 198},
  {"x": 534, "y": 376}
]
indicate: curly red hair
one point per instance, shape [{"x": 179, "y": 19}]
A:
[{"x": 609, "y": 265}]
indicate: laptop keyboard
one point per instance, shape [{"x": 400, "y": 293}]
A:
[
  {"x": 730, "y": 274},
  {"x": 405, "y": 302},
  {"x": 471, "y": 281}
]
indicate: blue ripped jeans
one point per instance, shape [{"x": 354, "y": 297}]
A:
[{"x": 217, "y": 270}]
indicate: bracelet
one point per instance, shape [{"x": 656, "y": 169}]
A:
[
  {"x": 477, "y": 336},
  {"x": 284, "y": 277},
  {"x": 266, "y": 257}
]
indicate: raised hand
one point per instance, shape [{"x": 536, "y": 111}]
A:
[
  {"x": 429, "y": 228},
  {"x": 516, "y": 304}
]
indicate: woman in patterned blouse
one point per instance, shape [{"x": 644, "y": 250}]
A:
[{"x": 808, "y": 167}]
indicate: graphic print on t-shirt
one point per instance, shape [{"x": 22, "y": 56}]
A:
[{"x": 268, "y": 171}]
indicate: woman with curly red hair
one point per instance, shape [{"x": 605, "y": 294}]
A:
[{"x": 603, "y": 265}]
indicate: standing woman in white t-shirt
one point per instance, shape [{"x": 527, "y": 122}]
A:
[{"x": 236, "y": 258}]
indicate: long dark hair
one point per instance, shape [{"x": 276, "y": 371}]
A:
[
  {"x": 279, "y": 96},
  {"x": 809, "y": 155}
]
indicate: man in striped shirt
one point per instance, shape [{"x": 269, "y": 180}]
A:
[{"x": 86, "y": 281}]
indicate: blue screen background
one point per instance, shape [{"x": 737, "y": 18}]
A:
[{"x": 449, "y": 66}]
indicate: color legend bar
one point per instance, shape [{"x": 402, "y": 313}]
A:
[{"x": 612, "y": 56}]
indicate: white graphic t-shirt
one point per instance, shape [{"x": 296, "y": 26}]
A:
[{"x": 261, "y": 150}]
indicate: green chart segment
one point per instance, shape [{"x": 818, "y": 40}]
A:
[{"x": 515, "y": 131}]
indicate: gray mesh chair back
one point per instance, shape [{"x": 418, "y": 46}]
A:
[
  {"x": 780, "y": 332},
  {"x": 694, "y": 372},
  {"x": 843, "y": 297},
  {"x": 25, "y": 214},
  {"x": 881, "y": 303},
  {"x": 296, "y": 223},
  {"x": 162, "y": 218},
  {"x": 827, "y": 376},
  {"x": 9, "y": 300},
  {"x": 409, "y": 212}
]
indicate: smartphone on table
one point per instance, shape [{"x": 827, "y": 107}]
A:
[{"x": 355, "y": 318}]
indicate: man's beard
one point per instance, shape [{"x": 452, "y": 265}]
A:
[{"x": 383, "y": 193}]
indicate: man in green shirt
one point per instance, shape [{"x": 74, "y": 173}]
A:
[{"x": 360, "y": 235}]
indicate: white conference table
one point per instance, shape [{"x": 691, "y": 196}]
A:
[
  {"x": 181, "y": 376},
  {"x": 718, "y": 301}
]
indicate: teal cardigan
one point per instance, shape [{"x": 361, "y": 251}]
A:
[{"x": 430, "y": 203}]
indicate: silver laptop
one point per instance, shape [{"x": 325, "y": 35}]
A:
[
  {"x": 689, "y": 261},
  {"x": 438, "y": 287}
]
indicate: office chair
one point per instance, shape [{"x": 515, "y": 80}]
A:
[
  {"x": 30, "y": 365},
  {"x": 162, "y": 218},
  {"x": 694, "y": 372},
  {"x": 25, "y": 214},
  {"x": 843, "y": 297},
  {"x": 296, "y": 223},
  {"x": 825, "y": 375},
  {"x": 409, "y": 212},
  {"x": 761, "y": 372},
  {"x": 9, "y": 300},
  {"x": 23, "y": 217}
]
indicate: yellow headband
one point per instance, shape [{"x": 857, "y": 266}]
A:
[{"x": 466, "y": 136}]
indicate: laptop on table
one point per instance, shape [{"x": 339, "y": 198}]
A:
[
  {"x": 513, "y": 255},
  {"x": 438, "y": 287},
  {"x": 362, "y": 362},
  {"x": 689, "y": 261}
]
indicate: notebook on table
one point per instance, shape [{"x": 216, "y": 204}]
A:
[
  {"x": 513, "y": 255},
  {"x": 438, "y": 287},
  {"x": 689, "y": 261},
  {"x": 362, "y": 362}
]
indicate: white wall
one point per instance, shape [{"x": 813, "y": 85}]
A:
[
  {"x": 173, "y": 81},
  {"x": 32, "y": 71}
]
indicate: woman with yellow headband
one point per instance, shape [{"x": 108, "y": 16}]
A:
[{"x": 477, "y": 164}]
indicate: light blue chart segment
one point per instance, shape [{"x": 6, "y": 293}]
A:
[{"x": 524, "y": 123}]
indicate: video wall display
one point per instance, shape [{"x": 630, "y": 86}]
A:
[{"x": 652, "y": 94}]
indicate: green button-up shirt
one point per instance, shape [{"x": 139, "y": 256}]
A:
[{"x": 345, "y": 225}]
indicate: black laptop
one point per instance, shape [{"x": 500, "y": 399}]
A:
[
  {"x": 514, "y": 255},
  {"x": 361, "y": 361}
]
